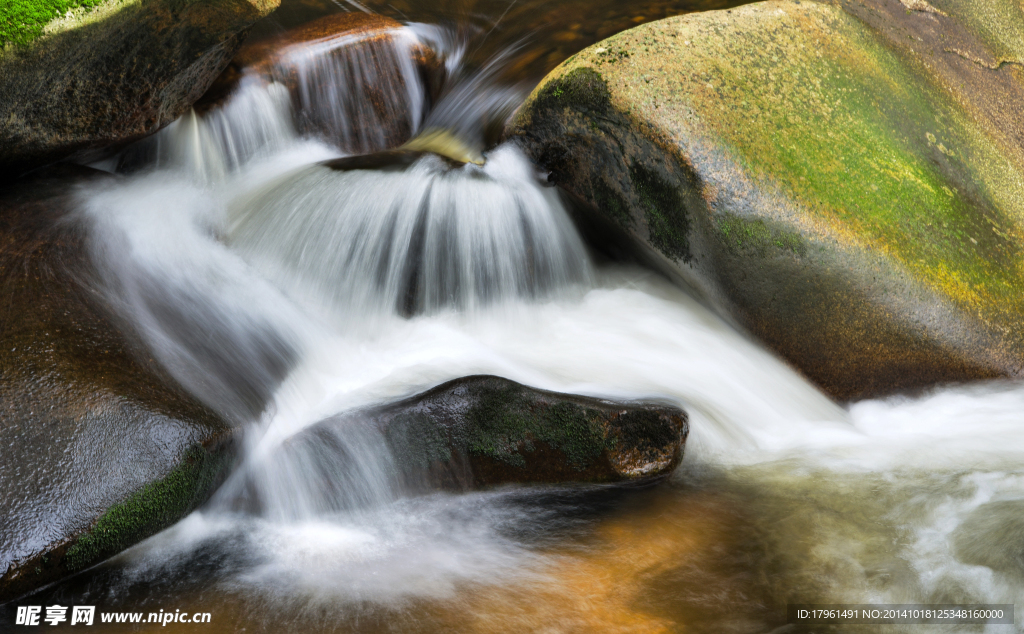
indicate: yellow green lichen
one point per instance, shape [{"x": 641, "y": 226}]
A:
[
  {"x": 1000, "y": 23},
  {"x": 754, "y": 235},
  {"x": 810, "y": 103}
]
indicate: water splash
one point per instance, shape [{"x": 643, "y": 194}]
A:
[
  {"x": 221, "y": 332},
  {"x": 358, "y": 92},
  {"x": 363, "y": 93},
  {"x": 412, "y": 239},
  {"x": 256, "y": 122}
]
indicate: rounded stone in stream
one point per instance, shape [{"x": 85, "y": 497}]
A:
[
  {"x": 482, "y": 431},
  {"x": 113, "y": 74},
  {"x": 844, "y": 179},
  {"x": 100, "y": 448}
]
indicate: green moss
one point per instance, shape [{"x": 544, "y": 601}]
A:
[
  {"x": 665, "y": 212},
  {"x": 581, "y": 89},
  {"x": 611, "y": 202},
  {"x": 506, "y": 422},
  {"x": 574, "y": 430},
  {"x": 22, "y": 21},
  {"x": 416, "y": 440},
  {"x": 821, "y": 109},
  {"x": 746, "y": 236},
  {"x": 148, "y": 511},
  {"x": 499, "y": 424}
]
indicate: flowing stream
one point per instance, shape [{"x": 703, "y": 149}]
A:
[{"x": 256, "y": 270}]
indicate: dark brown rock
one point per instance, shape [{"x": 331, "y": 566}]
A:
[
  {"x": 100, "y": 448},
  {"x": 483, "y": 431},
  {"x": 125, "y": 71}
]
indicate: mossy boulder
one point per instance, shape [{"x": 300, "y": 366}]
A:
[
  {"x": 100, "y": 448},
  {"x": 483, "y": 431},
  {"x": 107, "y": 72},
  {"x": 844, "y": 179}
]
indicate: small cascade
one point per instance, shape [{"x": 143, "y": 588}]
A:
[
  {"x": 361, "y": 93},
  {"x": 246, "y": 258},
  {"x": 413, "y": 238},
  {"x": 358, "y": 92},
  {"x": 436, "y": 225},
  {"x": 324, "y": 470},
  {"x": 257, "y": 120}
]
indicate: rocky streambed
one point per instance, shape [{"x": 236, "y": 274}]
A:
[{"x": 839, "y": 181}]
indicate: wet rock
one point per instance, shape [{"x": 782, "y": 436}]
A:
[
  {"x": 100, "y": 448},
  {"x": 374, "y": 57},
  {"x": 484, "y": 431},
  {"x": 113, "y": 74},
  {"x": 845, "y": 179}
]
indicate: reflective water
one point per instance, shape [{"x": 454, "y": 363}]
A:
[{"x": 258, "y": 275}]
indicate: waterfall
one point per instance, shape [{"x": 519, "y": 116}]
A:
[
  {"x": 363, "y": 94},
  {"x": 291, "y": 265},
  {"x": 417, "y": 239},
  {"x": 358, "y": 93}
]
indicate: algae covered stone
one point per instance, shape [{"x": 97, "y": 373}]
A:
[
  {"x": 101, "y": 448},
  {"x": 845, "y": 179},
  {"x": 483, "y": 431}
]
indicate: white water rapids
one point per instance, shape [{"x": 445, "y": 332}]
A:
[{"x": 259, "y": 273}]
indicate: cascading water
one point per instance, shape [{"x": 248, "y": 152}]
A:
[
  {"x": 358, "y": 92},
  {"x": 416, "y": 239},
  {"x": 255, "y": 264}
]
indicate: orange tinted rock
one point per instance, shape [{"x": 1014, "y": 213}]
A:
[{"x": 368, "y": 42}]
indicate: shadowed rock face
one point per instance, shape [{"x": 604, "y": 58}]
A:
[
  {"x": 482, "y": 431},
  {"x": 100, "y": 448},
  {"x": 845, "y": 179},
  {"x": 124, "y": 71}
]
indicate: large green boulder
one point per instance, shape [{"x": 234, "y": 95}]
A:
[
  {"x": 100, "y": 448},
  {"x": 844, "y": 179},
  {"x": 107, "y": 72}
]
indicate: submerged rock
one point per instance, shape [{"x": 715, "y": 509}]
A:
[
  {"x": 113, "y": 74},
  {"x": 846, "y": 179},
  {"x": 484, "y": 431},
  {"x": 100, "y": 448}
]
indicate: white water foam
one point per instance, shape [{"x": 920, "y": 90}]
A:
[{"x": 614, "y": 333}]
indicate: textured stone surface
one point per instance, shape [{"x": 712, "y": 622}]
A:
[
  {"x": 846, "y": 179},
  {"x": 100, "y": 449},
  {"x": 114, "y": 74},
  {"x": 483, "y": 431}
]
